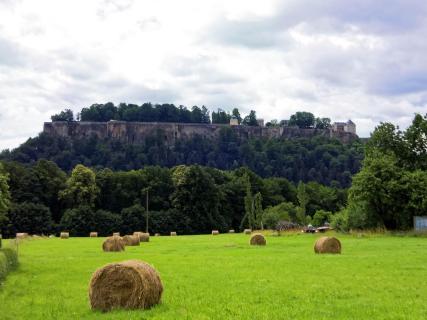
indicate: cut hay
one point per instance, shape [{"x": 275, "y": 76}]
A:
[
  {"x": 144, "y": 237},
  {"x": 131, "y": 240},
  {"x": 93, "y": 234},
  {"x": 64, "y": 235},
  {"x": 116, "y": 234},
  {"x": 247, "y": 231},
  {"x": 173, "y": 233},
  {"x": 257, "y": 239},
  {"x": 157, "y": 234},
  {"x": 113, "y": 243},
  {"x": 131, "y": 284},
  {"x": 231, "y": 231},
  {"x": 21, "y": 235},
  {"x": 327, "y": 245},
  {"x": 215, "y": 232}
]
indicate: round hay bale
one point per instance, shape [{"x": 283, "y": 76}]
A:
[
  {"x": 93, "y": 234},
  {"x": 258, "y": 239},
  {"x": 327, "y": 245},
  {"x": 131, "y": 240},
  {"x": 113, "y": 243},
  {"x": 52, "y": 236},
  {"x": 131, "y": 284},
  {"x": 231, "y": 231},
  {"x": 173, "y": 233},
  {"x": 64, "y": 235},
  {"x": 116, "y": 234},
  {"x": 144, "y": 237},
  {"x": 247, "y": 231},
  {"x": 215, "y": 232},
  {"x": 21, "y": 235},
  {"x": 157, "y": 234}
]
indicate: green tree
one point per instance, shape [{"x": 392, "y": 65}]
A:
[
  {"x": 250, "y": 120},
  {"x": 302, "y": 119},
  {"x": 303, "y": 198},
  {"x": 33, "y": 218},
  {"x": 4, "y": 196},
  {"x": 235, "y": 113},
  {"x": 322, "y": 123},
  {"x": 258, "y": 212},
  {"x": 66, "y": 115},
  {"x": 81, "y": 188}
]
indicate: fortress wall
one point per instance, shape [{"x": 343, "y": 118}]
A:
[{"x": 137, "y": 132}]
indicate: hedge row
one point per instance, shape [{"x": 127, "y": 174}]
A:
[{"x": 8, "y": 261}]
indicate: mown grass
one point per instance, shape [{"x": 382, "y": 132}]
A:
[{"x": 222, "y": 277}]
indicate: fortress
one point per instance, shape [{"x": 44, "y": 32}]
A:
[{"x": 137, "y": 132}]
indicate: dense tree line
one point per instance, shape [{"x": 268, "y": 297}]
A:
[
  {"x": 319, "y": 159},
  {"x": 391, "y": 187},
  {"x": 41, "y": 198},
  {"x": 167, "y": 112}
]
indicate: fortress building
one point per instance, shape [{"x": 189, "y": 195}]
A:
[
  {"x": 348, "y": 126},
  {"x": 137, "y": 132}
]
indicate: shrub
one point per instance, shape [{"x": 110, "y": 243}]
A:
[
  {"x": 8, "y": 261},
  {"x": 320, "y": 217},
  {"x": 32, "y": 218},
  {"x": 339, "y": 221}
]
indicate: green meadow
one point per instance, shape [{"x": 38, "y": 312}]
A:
[{"x": 222, "y": 277}]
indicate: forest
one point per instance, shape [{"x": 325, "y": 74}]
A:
[{"x": 43, "y": 199}]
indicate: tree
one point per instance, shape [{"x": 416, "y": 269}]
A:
[
  {"x": 302, "y": 120},
  {"x": 133, "y": 219},
  {"x": 321, "y": 217},
  {"x": 251, "y": 120},
  {"x": 235, "y": 113},
  {"x": 81, "y": 188},
  {"x": 32, "y": 218},
  {"x": 249, "y": 217},
  {"x": 66, "y": 115},
  {"x": 322, "y": 123},
  {"x": 79, "y": 221},
  {"x": 258, "y": 212},
  {"x": 4, "y": 196},
  {"x": 303, "y": 198}
]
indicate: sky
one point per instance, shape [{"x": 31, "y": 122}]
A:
[{"x": 360, "y": 60}]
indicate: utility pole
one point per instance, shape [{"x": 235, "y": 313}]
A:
[{"x": 146, "y": 208}]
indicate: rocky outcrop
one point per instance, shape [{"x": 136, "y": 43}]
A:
[{"x": 137, "y": 132}]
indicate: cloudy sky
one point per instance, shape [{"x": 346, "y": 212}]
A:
[{"x": 364, "y": 60}]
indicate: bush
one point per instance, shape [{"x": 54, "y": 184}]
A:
[
  {"x": 107, "y": 222},
  {"x": 33, "y": 218},
  {"x": 133, "y": 219},
  {"x": 283, "y": 211},
  {"x": 8, "y": 261},
  {"x": 320, "y": 217},
  {"x": 339, "y": 221}
]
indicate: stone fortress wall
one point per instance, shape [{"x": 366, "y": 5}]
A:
[{"x": 137, "y": 132}]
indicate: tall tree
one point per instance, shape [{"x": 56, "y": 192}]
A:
[
  {"x": 81, "y": 188},
  {"x": 4, "y": 196},
  {"x": 302, "y": 119},
  {"x": 66, "y": 115},
  {"x": 303, "y": 199}
]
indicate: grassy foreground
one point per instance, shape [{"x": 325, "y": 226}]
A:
[{"x": 222, "y": 277}]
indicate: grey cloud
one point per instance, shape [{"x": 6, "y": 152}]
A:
[{"x": 11, "y": 54}]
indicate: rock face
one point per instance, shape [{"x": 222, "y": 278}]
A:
[{"x": 137, "y": 132}]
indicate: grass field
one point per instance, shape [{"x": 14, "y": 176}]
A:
[{"x": 222, "y": 277}]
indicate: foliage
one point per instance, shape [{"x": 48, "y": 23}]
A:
[
  {"x": 133, "y": 219},
  {"x": 302, "y": 203},
  {"x": 66, "y": 115},
  {"x": 8, "y": 261},
  {"x": 339, "y": 221},
  {"x": 81, "y": 188},
  {"x": 302, "y": 120},
  {"x": 391, "y": 187},
  {"x": 32, "y": 218},
  {"x": 285, "y": 211},
  {"x": 250, "y": 120},
  {"x": 4, "y": 196},
  {"x": 321, "y": 217}
]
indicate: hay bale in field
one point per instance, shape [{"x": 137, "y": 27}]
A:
[
  {"x": 131, "y": 240},
  {"x": 93, "y": 234},
  {"x": 113, "y": 243},
  {"x": 144, "y": 237},
  {"x": 247, "y": 231},
  {"x": 173, "y": 233},
  {"x": 257, "y": 239},
  {"x": 52, "y": 236},
  {"x": 215, "y": 232},
  {"x": 327, "y": 245},
  {"x": 64, "y": 235},
  {"x": 131, "y": 284},
  {"x": 157, "y": 234},
  {"x": 116, "y": 234},
  {"x": 231, "y": 231},
  {"x": 21, "y": 235}
]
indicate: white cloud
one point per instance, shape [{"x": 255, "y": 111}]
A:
[{"x": 364, "y": 60}]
